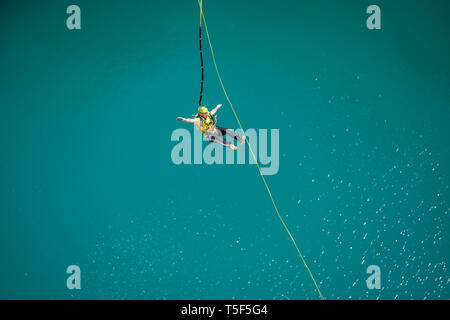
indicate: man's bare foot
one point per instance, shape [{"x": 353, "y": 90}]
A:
[
  {"x": 243, "y": 139},
  {"x": 233, "y": 147}
]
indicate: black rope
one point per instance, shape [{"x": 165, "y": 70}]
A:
[{"x": 201, "y": 61}]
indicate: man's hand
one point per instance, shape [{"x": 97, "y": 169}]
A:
[{"x": 180, "y": 119}]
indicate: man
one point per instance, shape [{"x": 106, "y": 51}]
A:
[{"x": 205, "y": 122}]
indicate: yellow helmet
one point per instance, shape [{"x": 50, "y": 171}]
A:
[{"x": 202, "y": 110}]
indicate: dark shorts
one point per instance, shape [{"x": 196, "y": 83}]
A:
[{"x": 218, "y": 135}]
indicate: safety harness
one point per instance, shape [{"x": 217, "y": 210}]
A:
[{"x": 208, "y": 123}]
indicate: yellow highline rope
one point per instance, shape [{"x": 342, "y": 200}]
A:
[{"x": 202, "y": 16}]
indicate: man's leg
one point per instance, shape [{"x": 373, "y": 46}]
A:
[
  {"x": 232, "y": 134},
  {"x": 218, "y": 138}
]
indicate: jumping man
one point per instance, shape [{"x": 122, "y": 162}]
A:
[{"x": 205, "y": 122}]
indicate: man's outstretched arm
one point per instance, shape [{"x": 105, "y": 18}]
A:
[
  {"x": 213, "y": 111},
  {"x": 186, "y": 120}
]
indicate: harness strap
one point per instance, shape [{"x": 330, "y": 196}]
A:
[{"x": 203, "y": 120}]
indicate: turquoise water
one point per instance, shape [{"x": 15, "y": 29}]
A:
[{"x": 87, "y": 178}]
